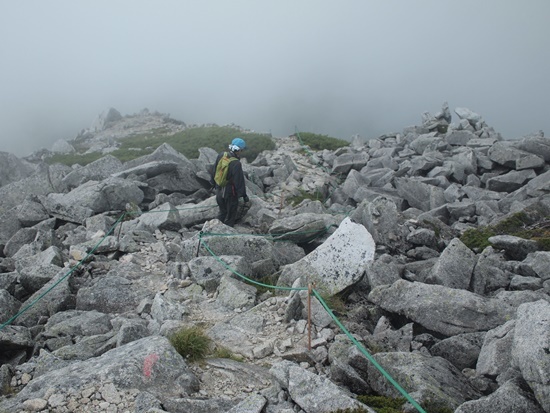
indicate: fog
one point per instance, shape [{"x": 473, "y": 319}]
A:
[{"x": 339, "y": 68}]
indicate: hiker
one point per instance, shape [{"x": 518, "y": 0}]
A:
[{"x": 228, "y": 179}]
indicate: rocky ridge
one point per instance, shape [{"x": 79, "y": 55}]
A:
[{"x": 468, "y": 330}]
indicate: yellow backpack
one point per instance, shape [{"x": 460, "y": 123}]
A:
[{"x": 220, "y": 177}]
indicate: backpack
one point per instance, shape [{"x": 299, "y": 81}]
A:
[{"x": 220, "y": 176}]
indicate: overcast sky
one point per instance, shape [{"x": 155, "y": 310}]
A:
[{"x": 340, "y": 68}]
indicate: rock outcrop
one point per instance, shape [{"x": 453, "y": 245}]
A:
[{"x": 101, "y": 264}]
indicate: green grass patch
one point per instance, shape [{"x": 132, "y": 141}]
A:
[
  {"x": 530, "y": 224},
  {"x": 224, "y": 353},
  {"x": 383, "y": 404},
  {"x": 319, "y": 142},
  {"x": 187, "y": 142},
  {"x": 297, "y": 199},
  {"x": 191, "y": 343}
]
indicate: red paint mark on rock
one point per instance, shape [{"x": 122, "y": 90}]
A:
[{"x": 148, "y": 364}]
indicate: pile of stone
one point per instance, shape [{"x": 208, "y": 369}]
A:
[{"x": 108, "y": 260}]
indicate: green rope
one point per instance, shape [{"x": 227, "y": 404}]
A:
[
  {"x": 205, "y": 245},
  {"x": 12, "y": 319},
  {"x": 363, "y": 350}
]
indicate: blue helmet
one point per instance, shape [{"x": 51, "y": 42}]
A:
[{"x": 239, "y": 142}]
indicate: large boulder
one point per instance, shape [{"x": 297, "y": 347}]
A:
[
  {"x": 442, "y": 309},
  {"x": 95, "y": 171},
  {"x": 313, "y": 393},
  {"x": 428, "y": 378},
  {"x": 338, "y": 263},
  {"x": 511, "y": 397},
  {"x": 150, "y": 364}
]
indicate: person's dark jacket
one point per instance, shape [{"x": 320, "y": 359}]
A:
[{"x": 236, "y": 186}]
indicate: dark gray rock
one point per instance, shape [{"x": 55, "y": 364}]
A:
[
  {"x": 420, "y": 195},
  {"x": 56, "y": 295},
  {"x": 9, "y": 306},
  {"x": 510, "y": 181},
  {"x": 496, "y": 350},
  {"x": 461, "y": 350},
  {"x": 454, "y": 267},
  {"x": 490, "y": 273},
  {"x": 514, "y": 247}
]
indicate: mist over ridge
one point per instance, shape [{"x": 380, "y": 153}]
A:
[{"x": 364, "y": 68}]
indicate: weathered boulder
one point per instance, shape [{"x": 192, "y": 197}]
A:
[
  {"x": 382, "y": 220},
  {"x": 461, "y": 350},
  {"x": 428, "y": 378},
  {"x": 496, "y": 350},
  {"x": 208, "y": 271},
  {"x": 442, "y": 309},
  {"x": 510, "y": 181},
  {"x": 338, "y": 263},
  {"x": 511, "y": 397},
  {"x": 236, "y": 294},
  {"x": 110, "y": 294},
  {"x": 302, "y": 227},
  {"x": 505, "y": 154},
  {"x": 56, "y": 295},
  {"x": 150, "y": 364},
  {"x": 530, "y": 348},
  {"x": 314, "y": 394},
  {"x": 454, "y": 266},
  {"x": 93, "y": 197},
  {"x": 164, "y": 217},
  {"x": 345, "y": 162},
  {"x": 95, "y": 171},
  {"x": 9, "y": 306},
  {"x": 419, "y": 194},
  {"x": 45, "y": 180},
  {"x": 13, "y": 169},
  {"x": 516, "y": 248}
]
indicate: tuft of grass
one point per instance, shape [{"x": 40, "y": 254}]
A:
[
  {"x": 383, "y": 404},
  {"x": 267, "y": 280},
  {"x": 335, "y": 302},
  {"x": 295, "y": 200},
  {"x": 224, "y": 353},
  {"x": 436, "y": 407},
  {"x": 191, "y": 343}
]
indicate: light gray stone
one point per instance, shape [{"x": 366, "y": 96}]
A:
[
  {"x": 530, "y": 348},
  {"x": 338, "y": 263},
  {"x": 442, "y": 309}
]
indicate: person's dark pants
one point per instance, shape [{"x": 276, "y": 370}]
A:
[{"x": 228, "y": 208}]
